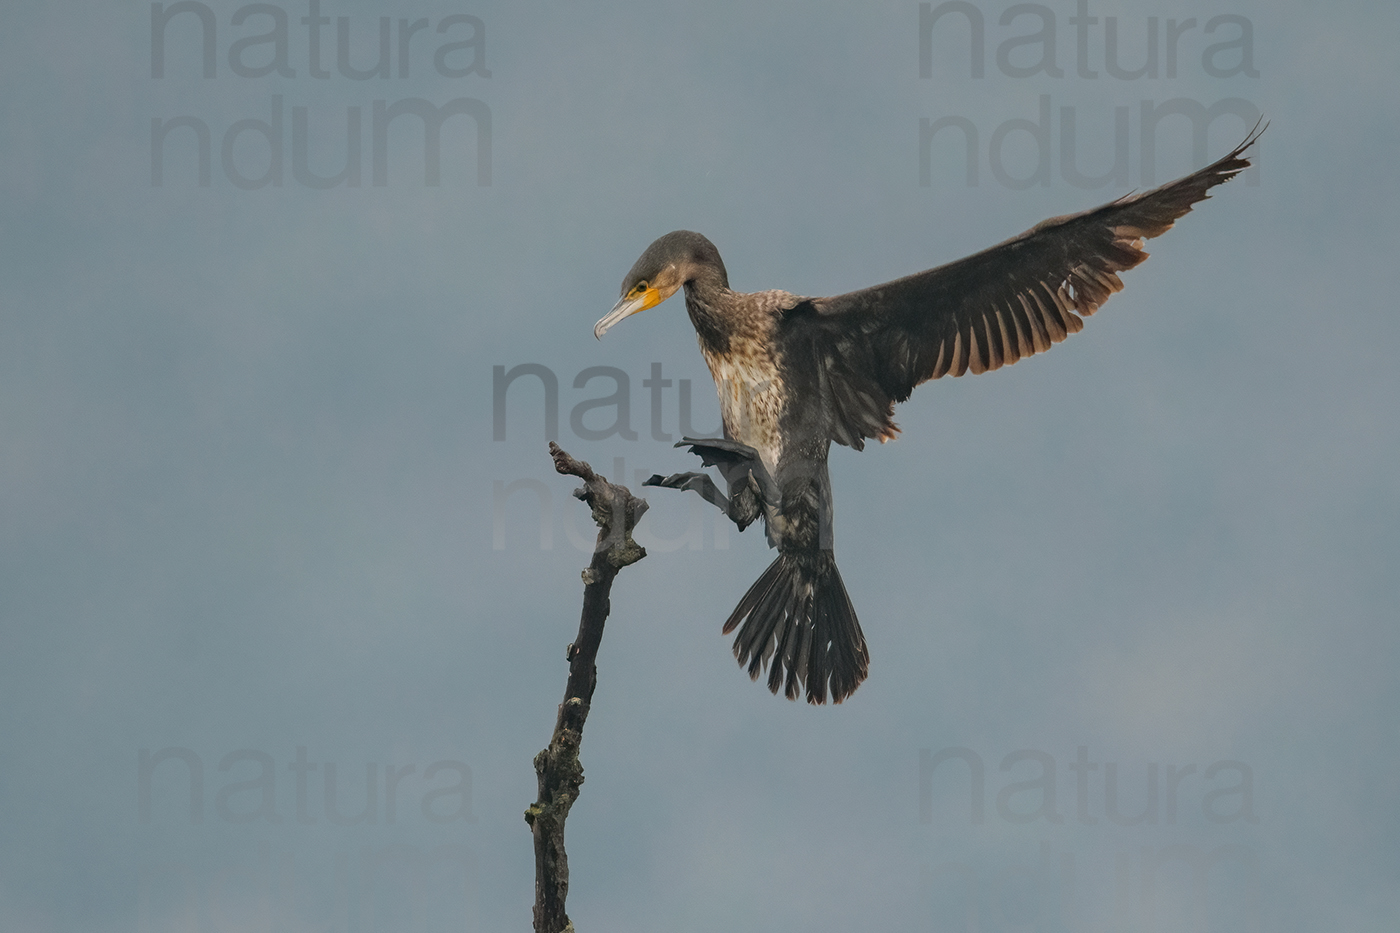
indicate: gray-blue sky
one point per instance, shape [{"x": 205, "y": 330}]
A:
[{"x": 247, "y": 468}]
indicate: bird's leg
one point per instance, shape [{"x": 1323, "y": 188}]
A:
[
  {"x": 743, "y": 506},
  {"x": 698, "y": 482},
  {"x": 745, "y": 501},
  {"x": 737, "y": 464},
  {"x": 750, "y": 486}
]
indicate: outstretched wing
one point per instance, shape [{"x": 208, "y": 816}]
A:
[{"x": 989, "y": 310}]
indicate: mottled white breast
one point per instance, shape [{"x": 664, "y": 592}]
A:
[{"x": 750, "y": 400}]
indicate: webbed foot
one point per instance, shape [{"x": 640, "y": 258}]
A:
[
  {"x": 739, "y": 464},
  {"x": 716, "y": 450},
  {"x": 697, "y": 482}
]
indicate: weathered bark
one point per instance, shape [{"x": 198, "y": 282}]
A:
[{"x": 616, "y": 512}]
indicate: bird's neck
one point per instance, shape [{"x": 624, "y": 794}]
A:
[{"x": 705, "y": 302}]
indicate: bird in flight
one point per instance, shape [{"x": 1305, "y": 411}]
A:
[{"x": 794, "y": 374}]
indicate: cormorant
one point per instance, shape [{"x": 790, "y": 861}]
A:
[{"x": 794, "y": 374}]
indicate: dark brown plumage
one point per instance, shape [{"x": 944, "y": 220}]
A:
[{"x": 794, "y": 374}]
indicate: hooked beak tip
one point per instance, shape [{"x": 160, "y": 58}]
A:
[{"x": 622, "y": 309}]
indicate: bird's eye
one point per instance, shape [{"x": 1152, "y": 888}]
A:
[{"x": 639, "y": 288}]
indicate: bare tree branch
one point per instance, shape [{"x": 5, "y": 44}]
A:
[{"x": 616, "y": 512}]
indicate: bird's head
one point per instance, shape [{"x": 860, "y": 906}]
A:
[{"x": 666, "y": 265}]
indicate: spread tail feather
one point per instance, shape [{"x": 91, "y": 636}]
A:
[{"x": 797, "y": 621}]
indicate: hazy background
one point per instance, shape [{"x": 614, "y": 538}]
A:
[{"x": 250, "y": 497}]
